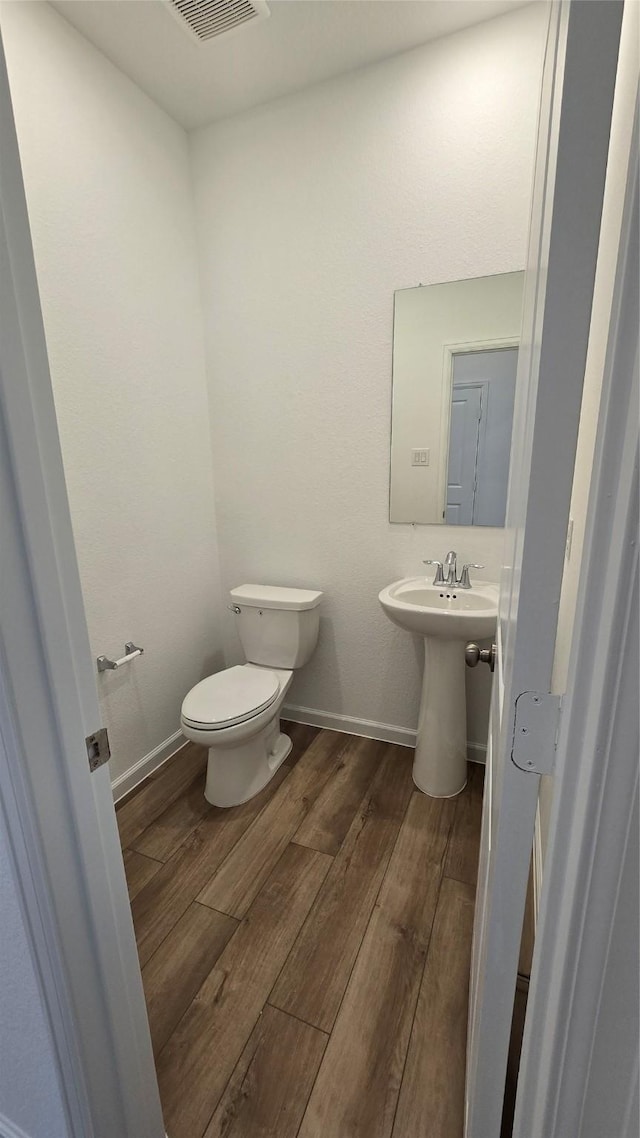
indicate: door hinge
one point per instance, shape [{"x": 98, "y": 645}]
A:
[
  {"x": 535, "y": 731},
  {"x": 98, "y": 750}
]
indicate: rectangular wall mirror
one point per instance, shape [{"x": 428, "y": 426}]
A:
[{"x": 455, "y": 354}]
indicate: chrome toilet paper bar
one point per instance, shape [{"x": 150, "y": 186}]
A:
[{"x": 106, "y": 665}]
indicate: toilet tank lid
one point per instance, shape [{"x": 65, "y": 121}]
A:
[{"x": 275, "y": 597}]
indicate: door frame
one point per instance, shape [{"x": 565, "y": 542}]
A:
[
  {"x": 60, "y": 818},
  {"x": 573, "y": 144},
  {"x": 594, "y": 798},
  {"x": 64, "y": 850}
]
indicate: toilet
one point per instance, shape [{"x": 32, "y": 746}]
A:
[{"x": 236, "y": 713}]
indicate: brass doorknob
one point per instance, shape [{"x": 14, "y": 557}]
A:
[{"x": 474, "y": 655}]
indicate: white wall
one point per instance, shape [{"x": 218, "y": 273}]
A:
[
  {"x": 613, "y": 204},
  {"x": 311, "y": 211},
  {"x": 30, "y": 1097},
  {"x": 109, "y": 195}
]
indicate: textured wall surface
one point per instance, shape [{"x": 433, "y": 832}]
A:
[
  {"x": 311, "y": 211},
  {"x": 109, "y": 195},
  {"x": 29, "y": 1092}
]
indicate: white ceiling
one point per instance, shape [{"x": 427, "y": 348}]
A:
[{"x": 303, "y": 42}]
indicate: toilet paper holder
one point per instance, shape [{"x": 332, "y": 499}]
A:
[{"x": 131, "y": 651}]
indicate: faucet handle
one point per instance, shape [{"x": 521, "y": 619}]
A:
[
  {"x": 439, "y": 577},
  {"x": 463, "y": 581}
]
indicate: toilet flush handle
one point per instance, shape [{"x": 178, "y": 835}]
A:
[{"x": 235, "y": 608}]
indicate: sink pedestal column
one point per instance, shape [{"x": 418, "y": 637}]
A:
[{"x": 440, "y": 764}]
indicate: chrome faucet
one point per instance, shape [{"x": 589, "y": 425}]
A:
[
  {"x": 452, "y": 581},
  {"x": 451, "y": 563}
]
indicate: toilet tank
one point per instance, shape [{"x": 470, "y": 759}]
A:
[{"x": 278, "y": 627}]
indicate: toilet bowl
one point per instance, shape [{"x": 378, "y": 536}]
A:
[
  {"x": 246, "y": 747},
  {"x": 236, "y": 713}
]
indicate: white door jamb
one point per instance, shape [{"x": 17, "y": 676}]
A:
[
  {"x": 597, "y": 758},
  {"x": 60, "y": 818}
]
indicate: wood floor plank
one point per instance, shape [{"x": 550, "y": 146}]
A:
[
  {"x": 172, "y": 827},
  {"x": 268, "y": 1091},
  {"x": 180, "y": 966},
  {"x": 326, "y": 825},
  {"x": 239, "y": 879},
  {"x": 432, "y": 1095},
  {"x": 301, "y": 946},
  {"x": 200, "y": 1057},
  {"x": 356, "y": 1092},
  {"x": 138, "y": 871},
  {"x": 315, "y": 976},
  {"x": 168, "y": 895},
  {"x": 464, "y": 846},
  {"x": 138, "y": 812}
]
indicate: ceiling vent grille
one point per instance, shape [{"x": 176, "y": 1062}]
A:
[{"x": 207, "y": 19}]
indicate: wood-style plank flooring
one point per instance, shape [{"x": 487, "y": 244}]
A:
[{"x": 305, "y": 956}]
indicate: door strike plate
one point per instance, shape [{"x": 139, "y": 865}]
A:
[
  {"x": 535, "y": 731},
  {"x": 98, "y": 750}
]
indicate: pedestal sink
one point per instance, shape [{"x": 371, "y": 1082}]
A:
[{"x": 447, "y": 618}]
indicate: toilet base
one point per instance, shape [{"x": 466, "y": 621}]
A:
[{"x": 236, "y": 774}]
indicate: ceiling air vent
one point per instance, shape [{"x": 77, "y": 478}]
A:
[{"x": 207, "y": 19}]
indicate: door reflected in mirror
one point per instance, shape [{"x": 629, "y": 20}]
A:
[
  {"x": 481, "y": 417},
  {"x": 455, "y": 353}
]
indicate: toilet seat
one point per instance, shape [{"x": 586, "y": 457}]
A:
[{"x": 230, "y": 697}]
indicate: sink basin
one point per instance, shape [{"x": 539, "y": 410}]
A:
[
  {"x": 417, "y": 605},
  {"x": 446, "y": 618}
]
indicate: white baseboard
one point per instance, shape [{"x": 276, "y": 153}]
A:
[
  {"x": 477, "y": 753},
  {"x": 146, "y": 766},
  {"x": 368, "y": 729}
]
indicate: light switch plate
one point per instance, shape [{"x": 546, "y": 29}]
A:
[{"x": 420, "y": 457}]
